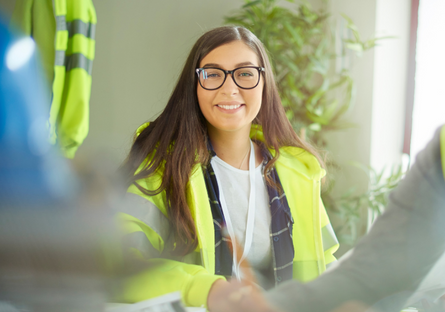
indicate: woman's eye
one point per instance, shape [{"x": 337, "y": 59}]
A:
[
  {"x": 245, "y": 74},
  {"x": 208, "y": 75}
]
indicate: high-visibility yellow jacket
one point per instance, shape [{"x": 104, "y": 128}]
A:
[
  {"x": 145, "y": 220},
  {"x": 65, "y": 37}
]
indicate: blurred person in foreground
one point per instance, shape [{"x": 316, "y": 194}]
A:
[
  {"x": 388, "y": 264},
  {"x": 57, "y": 252}
]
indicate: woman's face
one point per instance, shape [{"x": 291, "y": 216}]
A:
[{"x": 230, "y": 108}]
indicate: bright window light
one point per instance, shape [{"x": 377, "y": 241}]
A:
[{"x": 429, "y": 99}]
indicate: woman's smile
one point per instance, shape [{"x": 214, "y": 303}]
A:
[{"x": 230, "y": 107}]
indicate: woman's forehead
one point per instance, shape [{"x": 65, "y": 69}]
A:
[{"x": 230, "y": 55}]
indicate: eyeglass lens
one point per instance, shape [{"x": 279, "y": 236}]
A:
[{"x": 213, "y": 78}]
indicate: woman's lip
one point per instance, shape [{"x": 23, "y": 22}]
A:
[
  {"x": 229, "y": 103},
  {"x": 229, "y": 110}
]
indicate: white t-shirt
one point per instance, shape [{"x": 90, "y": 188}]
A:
[{"x": 235, "y": 184}]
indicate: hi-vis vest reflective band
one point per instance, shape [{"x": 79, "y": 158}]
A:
[
  {"x": 67, "y": 61},
  {"x": 442, "y": 148},
  {"x": 75, "y": 60}
]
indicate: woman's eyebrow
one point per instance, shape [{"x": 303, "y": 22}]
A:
[
  {"x": 237, "y": 65},
  {"x": 244, "y": 64},
  {"x": 211, "y": 65}
]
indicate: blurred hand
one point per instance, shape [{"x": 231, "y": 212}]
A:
[{"x": 233, "y": 296}]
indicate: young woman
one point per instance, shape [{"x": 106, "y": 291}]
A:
[{"x": 223, "y": 153}]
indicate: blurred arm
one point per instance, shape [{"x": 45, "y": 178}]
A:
[{"x": 401, "y": 248}]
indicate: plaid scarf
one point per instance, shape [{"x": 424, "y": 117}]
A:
[{"x": 281, "y": 224}]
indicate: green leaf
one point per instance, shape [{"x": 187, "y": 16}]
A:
[
  {"x": 355, "y": 47},
  {"x": 330, "y": 110},
  {"x": 252, "y": 3},
  {"x": 349, "y": 192},
  {"x": 294, "y": 34},
  {"x": 289, "y": 114},
  {"x": 350, "y": 24},
  {"x": 379, "y": 176},
  {"x": 315, "y": 127},
  {"x": 313, "y": 99},
  {"x": 318, "y": 111},
  {"x": 316, "y": 119}
]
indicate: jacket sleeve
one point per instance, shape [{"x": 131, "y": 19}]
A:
[
  {"x": 329, "y": 239},
  {"x": 390, "y": 262},
  {"x": 147, "y": 231}
]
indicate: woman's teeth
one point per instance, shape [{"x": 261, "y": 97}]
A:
[{"x": 229, "y": 106}]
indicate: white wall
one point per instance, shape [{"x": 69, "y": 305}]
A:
[
  {"x": 140, "y": 50},
  {"x": 354, "y": 144},
  {"x": 390, "y": 80}
]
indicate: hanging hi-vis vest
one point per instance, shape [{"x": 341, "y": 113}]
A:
[{"x": 64, "y": 32}]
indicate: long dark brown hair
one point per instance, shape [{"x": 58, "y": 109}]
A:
[{"x": 177, "y": 139}]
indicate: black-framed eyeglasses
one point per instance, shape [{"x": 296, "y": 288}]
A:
[{"x": 246, "y": 77}]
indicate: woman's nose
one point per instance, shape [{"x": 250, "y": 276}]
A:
[{"x": 229, "y": 86}]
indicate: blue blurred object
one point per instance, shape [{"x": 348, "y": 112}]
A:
[
  {"x": 31, "y": 172},
  {"x": 58, "y": 251}
]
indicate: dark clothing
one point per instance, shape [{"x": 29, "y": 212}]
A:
[
  {"x": 390, "y": 262},
  {"x": 282, "y": 246}
]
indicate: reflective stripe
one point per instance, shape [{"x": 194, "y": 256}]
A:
[
  {"x": 59, "y": 58},
  {"x": 217, "y": 223},
  {"x": 279, "y": 232},
  {"x": 140, "y": 241},
  {"x": 80, "y": 27},
  {"x": 276, "y": 198},
  {"x": 328, "y": 236},
  {"x": 75, "y": 27},
  {"x": 61, "y": 23},
  {"x": 79, "y": 60},
  {"x": 222, "y": 240},
  {"x": 284, "y": 266},
  {"x": 72, "y": 61},
  {"x": 147, "y": 212}
]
